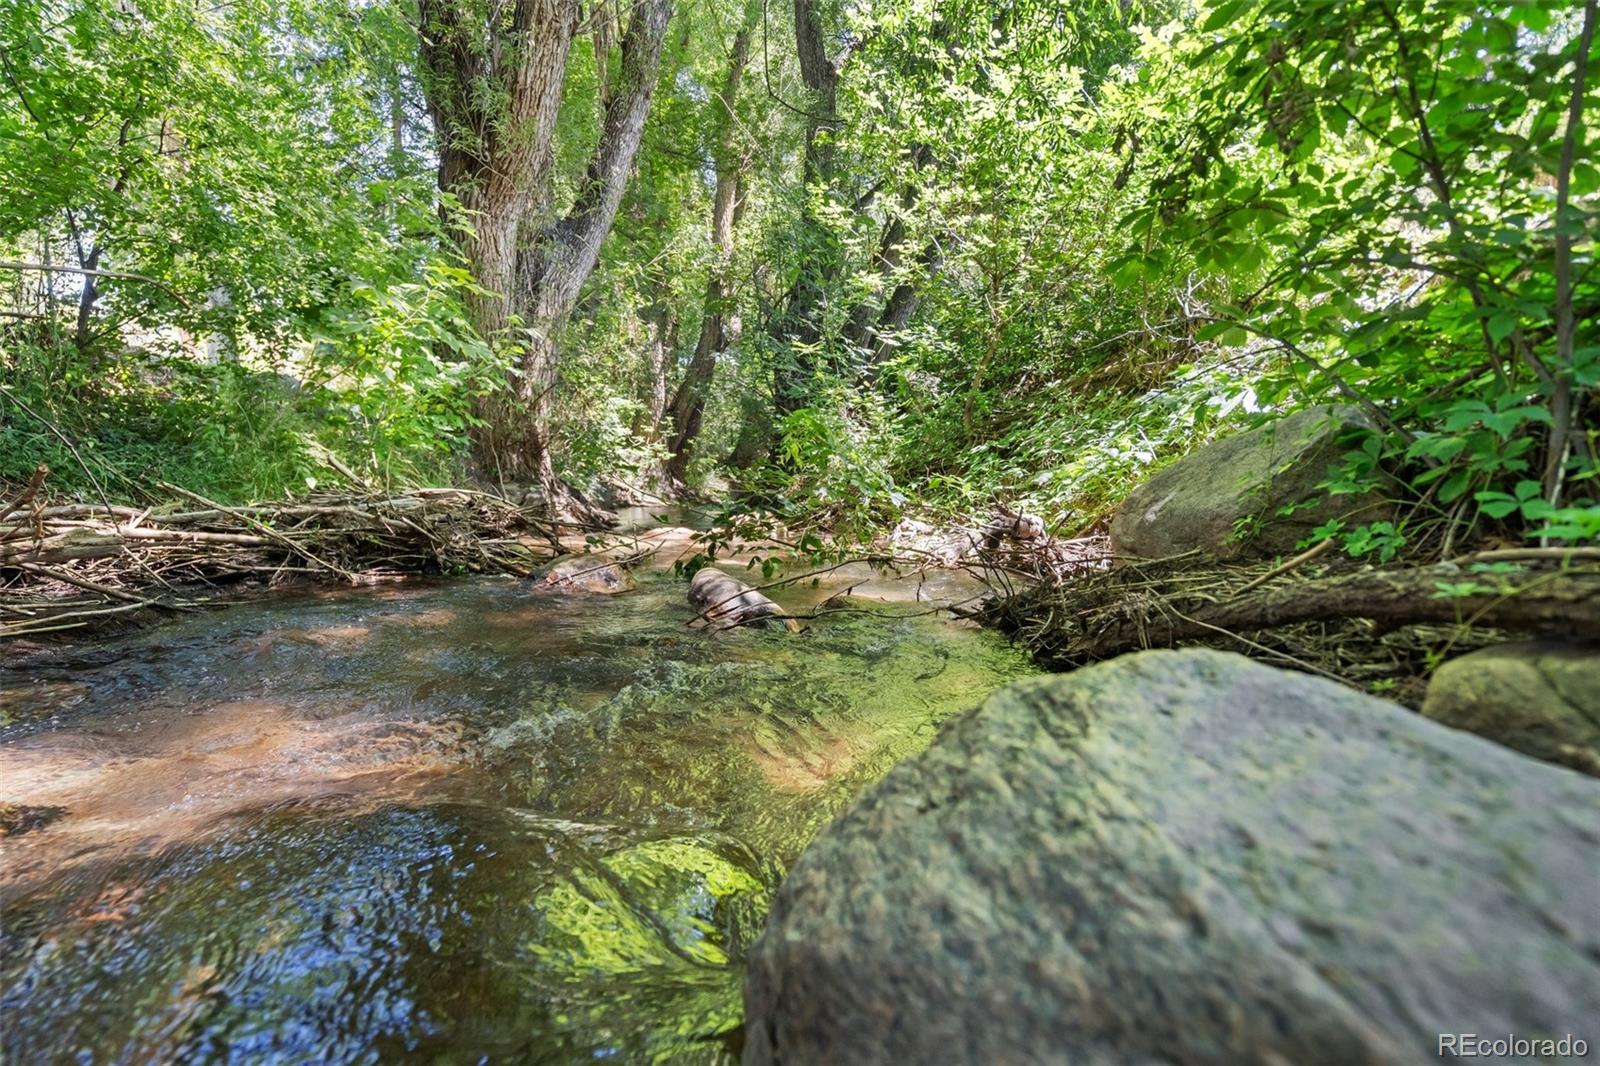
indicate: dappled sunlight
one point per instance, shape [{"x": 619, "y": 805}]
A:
[
  {"x": 173, "y": 780},
  {"x": 485, "y": 483},
  {"x": 816, "y": 764}
]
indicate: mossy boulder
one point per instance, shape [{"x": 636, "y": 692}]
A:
[
  {"x": 1227, "y": 499},
  {"x": 1186, "y": 857},
  {"x": 1540, "y": 697}
]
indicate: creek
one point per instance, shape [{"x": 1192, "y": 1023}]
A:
[{"x": 453, "y": 821}]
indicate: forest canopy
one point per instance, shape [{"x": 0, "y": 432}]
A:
[{"x": 847, "y": 260}]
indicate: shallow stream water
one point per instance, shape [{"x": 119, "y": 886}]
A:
[{"x": 459, "y": 822}]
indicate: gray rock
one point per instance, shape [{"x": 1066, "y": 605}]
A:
[
  {"x": 587, "y": 573},
  {"x": 727, "y": 603},
  {"x": 1186, "y": 857},
  {"x": 1540, "y": 697},
  {"x": 1224, "y": 499}
]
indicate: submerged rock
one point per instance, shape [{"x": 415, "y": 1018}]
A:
[
  {"x": 1224, "y": 500},
  {"x": 1540, "y": 697},
  {"x": 1186, "y": 857},
  {"x": 588, "y": 573},
  {"x": 728, "y": 602},
  {"x": 19, "y": 818}
]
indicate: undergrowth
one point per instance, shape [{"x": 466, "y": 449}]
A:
[{"x": 229, "y": 432}]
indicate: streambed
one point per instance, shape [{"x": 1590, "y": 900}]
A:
[{"x": 462, "y": 821}]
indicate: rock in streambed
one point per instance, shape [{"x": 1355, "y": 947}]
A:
[
  {"x": 588, "y": 573},
  {"x": 728, "y": 602},
  {"x": 1186, "y": 857}
]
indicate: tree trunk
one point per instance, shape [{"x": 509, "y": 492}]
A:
[
  {"x": 903, "y": 301},
  {"x": 86, "y": 300},
  {"x": 397, "y": 122},
  {"x": 495, "y": 159},
  {"x": 82, "y": 331},
  {"x": 866, "y": 326},
  {"x": 803, "y": 321},
  {"x": 689, "y": 400},
  {"x": 663, "y": 326},
  {"x": 555, "y": 261},
  {"x": 494, "y": 149},
  {"x": 1562, "y": 405}
]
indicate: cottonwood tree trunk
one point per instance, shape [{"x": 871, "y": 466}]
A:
[
  {"x": 555, "y": 261},
  {"x": 688, "y": 405},
  {"x": 663, "y": 341},
  {"x": 872, "y": 329},
  {"x": 493, "y": 76},
  {"x": 803, "y": 320}
]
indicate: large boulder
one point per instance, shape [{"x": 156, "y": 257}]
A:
[
  {"x": 1186, "y": 857},
  {"x": 1225, "y": 499},
  {"x": 1540, "y": 697}
]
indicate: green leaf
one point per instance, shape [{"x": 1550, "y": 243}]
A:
[
  {"x": 1222, "y": 15},
  {"x": 1501, "y": 325},
  {"x": 1454, "y": 487},
  {"x": 1495, "y": 504}
]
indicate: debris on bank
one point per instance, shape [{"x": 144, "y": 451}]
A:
[{"x": 74, "y": 565}]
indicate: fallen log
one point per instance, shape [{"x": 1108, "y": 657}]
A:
[{"x": 1072, "y": 627}]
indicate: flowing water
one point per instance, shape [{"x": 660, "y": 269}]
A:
[{"x": 460, "y": 822}]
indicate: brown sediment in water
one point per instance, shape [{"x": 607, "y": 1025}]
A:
[
  {"x": 261, "y": 802},
  {"x": 175, "y": 778},
  {"x": 425, "y": 619},
  {"x": 807, "y": 770},
  {"x": 30, "y": 698},
  {"x": 338, "y": 636}
]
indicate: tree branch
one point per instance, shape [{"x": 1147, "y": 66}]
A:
[{"x": 6, "y": 264}]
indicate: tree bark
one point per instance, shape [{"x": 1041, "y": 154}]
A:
[
  {"x": 802, "y": 322},
  {"x": 689, "y": 400},
  {"x": 1561, "y": 399},
  {"x": 495, "y": 150},
  {"x": 86, "y": 299},
  {"x": 554, "y": 261},
  {"x": 496, "y": 158},
  {"x": 662, "y": 321}
]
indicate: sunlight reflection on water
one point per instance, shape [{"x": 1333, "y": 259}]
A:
[{"x": 462, "y": 821}]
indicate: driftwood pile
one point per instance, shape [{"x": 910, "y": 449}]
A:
[{"x": 71, "y": 565}]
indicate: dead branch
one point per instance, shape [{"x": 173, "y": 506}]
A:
[
  {"x": 26, "y": 496},
  {"x": 1293, "y": 564},
  {"x": 294, "y": 547},
  {"x": 70, "y": 565},
  {"x": 122, "y": 275}
]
